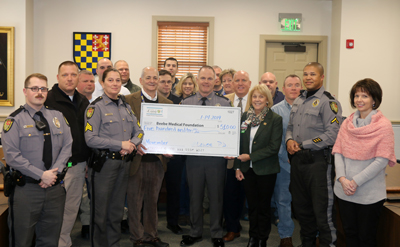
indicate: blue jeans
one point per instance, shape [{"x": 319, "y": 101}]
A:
[{"x": 283, "y": 199}]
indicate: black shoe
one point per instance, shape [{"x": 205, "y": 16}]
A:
[
  {"x": 253, "y": 242},
  {"x": 175, "y": 229},
  {"x": 85, "y": 232},
  {"x": 188, "y": 240},
  {"x": 156, "y": 242},
  {"x": 139, "y": 243},
  {"x": 218, "y": 242},
  {"x": 262, "y": 243},
  {"x": 124, "y": 226}
]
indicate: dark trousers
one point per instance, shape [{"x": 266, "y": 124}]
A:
[
  {"x": 259, "y": 190},
  {"x": 36, "y": 210},
  {"x": 173, "y": 178},
  {"x": 233, "y": 201},
  {"x": 143, "y": 191},
  {"x": 107, "y": 203},
  {"x": 360, "y": 222},
  {"x": 208, "y": 171},
  {"x": 311, "y": 186}
]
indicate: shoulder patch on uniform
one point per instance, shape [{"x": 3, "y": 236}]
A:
[
  {"x": 334, "y": 121},
  {"x": 328, "y": 94},
  {"x": 88, "y": 127},
  {"x": 90, "y": 112},
  {"x": 96, "y": 100},
  {"x": 8, "y": 123},
  {"x": 222, "y": 96},
  {"x": 334, "y": 107},
  {"x": 15, "y": 113},
  {"x": 316, "y": 140}
]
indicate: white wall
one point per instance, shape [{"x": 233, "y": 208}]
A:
[
  {"x": 238, "y": 25},
  {"x": 373, "y": 25},
  {"x": 17, "y": 14}
]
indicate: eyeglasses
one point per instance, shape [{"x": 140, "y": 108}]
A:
[{"x": 36, "y": 89}]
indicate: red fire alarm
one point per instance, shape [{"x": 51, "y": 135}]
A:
[{"x": 349, "y": 43}]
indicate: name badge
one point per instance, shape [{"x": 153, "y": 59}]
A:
[{"x": 108, "y": 114}]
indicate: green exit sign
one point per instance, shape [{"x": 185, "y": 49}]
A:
[{"x": 290, "y": 22}]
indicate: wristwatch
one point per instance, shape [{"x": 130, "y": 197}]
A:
[{"x": 301, "y": 145}]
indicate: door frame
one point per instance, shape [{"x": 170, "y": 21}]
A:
[{"x": 322, "y": 48}]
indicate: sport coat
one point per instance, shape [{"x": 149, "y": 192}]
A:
[
  {"x": 135, "y": 101},
  {"x": 265, "y": 148},
  {"x": 231, "y": 97}
]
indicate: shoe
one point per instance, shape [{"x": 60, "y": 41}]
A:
[
  {"x": 253, "y": 242},
  {"x": 156, "y": 242},
  {"x": 262, "y": 243},
  {"x": 139, "y": 243},
  {"x": 286, "y": 242},
  {"x": 175, "y": 229},
  {"x": 187, "y": 240},
  {"x": 85, "y": 232},
  {"x": 218, "y": 242},
  {"x": 230, "y": 236},
  {"x": 124, "y": 226}
]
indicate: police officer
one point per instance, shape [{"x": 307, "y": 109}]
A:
[
  {"x": 110, "y": 127},
  {"x": 314, "y": 122},
  {"x": 37, "y": 203},
  {"x": 202, "y": 170}
]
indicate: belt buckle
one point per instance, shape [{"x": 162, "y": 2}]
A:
[{"x": 123, "y": 157}]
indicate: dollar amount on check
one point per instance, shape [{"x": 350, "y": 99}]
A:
[{"x": 190, "y": 129}]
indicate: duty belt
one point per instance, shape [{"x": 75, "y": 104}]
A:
[{"x": 116, "y": 156}]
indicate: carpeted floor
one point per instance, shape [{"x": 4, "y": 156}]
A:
[{"x": 173, "y": 240}]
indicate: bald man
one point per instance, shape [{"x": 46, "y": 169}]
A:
[
  {"x": 123, "y": 68},
  {"x": 102, "y": 65},
  {"x": 146, "y": 172},
  {"x": 269, "y": 80}
]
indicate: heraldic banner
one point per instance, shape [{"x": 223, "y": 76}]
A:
[{"x": 89, "y": 48}]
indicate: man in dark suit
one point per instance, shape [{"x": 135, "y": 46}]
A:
[
  {"x": 234, "y": 191},
  {"x": 146, "y": 172}
]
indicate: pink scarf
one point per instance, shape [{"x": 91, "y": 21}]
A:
[{"x": 373, "y": 140}]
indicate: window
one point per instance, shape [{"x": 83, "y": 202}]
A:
[{"x": 185, "y": 41}]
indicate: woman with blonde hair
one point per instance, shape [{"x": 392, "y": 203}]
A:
[
  {"x": 258, "y": 162},
  {"x": 186, "y": 86},
  {"x": 226, "y": 78}
]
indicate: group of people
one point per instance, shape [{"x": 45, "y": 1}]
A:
[{"x": 291, "y": 145}]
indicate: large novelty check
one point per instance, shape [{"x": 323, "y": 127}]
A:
[{"x": 190, "y": 129}]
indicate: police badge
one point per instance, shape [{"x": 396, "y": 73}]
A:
[{"x": 89, "y": 48}]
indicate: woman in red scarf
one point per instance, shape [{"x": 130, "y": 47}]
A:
[{"x": 363, "y": 149}]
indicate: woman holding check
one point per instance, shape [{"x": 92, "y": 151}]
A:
[{"x": 258, "y": 163}]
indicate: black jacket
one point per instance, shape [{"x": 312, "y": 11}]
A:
[{"x": 74, "y": 112}]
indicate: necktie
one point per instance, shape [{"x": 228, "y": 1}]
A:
[
  {"x": 47, "y": 152},
  {"x": 240, "y": 105},
  {"x": 204, "y": 100}
]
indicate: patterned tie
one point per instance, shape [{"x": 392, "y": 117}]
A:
[
  {"x": 204, "y": 100},
  {"x": 240, "y": 105},
  {"x": 47, "y": 152}
]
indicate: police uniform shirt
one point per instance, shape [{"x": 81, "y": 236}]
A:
[
  {"x": 315, "y": 121},
  {"x": 213, "y": 99},
  {"x": 108, "y": 124},
  {"x": 23, "y": 142}
]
